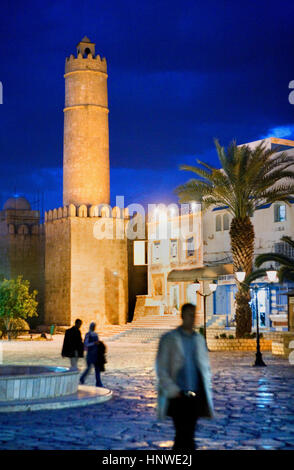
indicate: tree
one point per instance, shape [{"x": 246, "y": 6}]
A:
[
  {"x": 248, "y": 178},
  {"x": 286, "y": 268},
  {"x": 16, "y": 301}
]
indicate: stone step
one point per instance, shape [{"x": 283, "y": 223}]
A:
[
  {"x": 146, "y": 328},
  {"x": 139, "y": 335}
]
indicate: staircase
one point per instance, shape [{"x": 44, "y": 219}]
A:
[
  {"x": 144, "y": 329},
  {"x": 216, "y": 321}
]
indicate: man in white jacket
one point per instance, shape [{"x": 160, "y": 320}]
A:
[{"x": 184, "y": 379}]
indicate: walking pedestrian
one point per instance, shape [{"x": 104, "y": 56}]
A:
[
  {"x": 184, "y": 380},
  {"x": 73, "y": 346},
  {"x": 92, "y": 344}
]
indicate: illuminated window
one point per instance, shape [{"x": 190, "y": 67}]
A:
[
  {"x": 218, "y": 223},
  {"x": 190, "y": 247},
  {"x": 139, "y": 253},
  {"x": 156, "y": 252},
  {"x": 174, "y": 249},
  {"x": 280, "y": 212}
]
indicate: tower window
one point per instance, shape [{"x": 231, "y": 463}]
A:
[
  {"x": 280, "y": 212},
  {"x": 87, "y": 51}
]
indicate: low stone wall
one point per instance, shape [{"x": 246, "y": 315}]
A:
[
  {"x": 280, "y": 347},
  {"x": 239, "y": 344},
  {"x": 270, "y": 335}
]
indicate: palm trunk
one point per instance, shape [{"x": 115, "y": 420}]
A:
[{"x": 242, "y": 245}]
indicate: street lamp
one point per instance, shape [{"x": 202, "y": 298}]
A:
[
  {"x": 272, "y": 277},
  {"x": 212, "y": 288}
]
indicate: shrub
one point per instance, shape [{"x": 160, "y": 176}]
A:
[
  {"x": 201, "y": 330},
  {"x": 216, "y": 337},
  {"x": 231, "y": 337},
  {"x": 16, "y": 324},
  {"x": 16, "y": 301},
  {"x": 223, "y": 335}
]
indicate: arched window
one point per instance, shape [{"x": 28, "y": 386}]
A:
[
  {"x": 226, "y": 222},
  {"x": 218, "y": 223},
  {"x": 280, "y": 212},
  {"x": 87, "y": 51}
]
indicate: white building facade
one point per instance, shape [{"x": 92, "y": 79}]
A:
[{"x": 196, "y": 245}]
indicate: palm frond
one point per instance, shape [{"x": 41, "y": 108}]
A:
[
  {"x": 288, "y": 240},
  {"x": 274, "y": 257},
  {"x": 285, "y": 273},
  {"x": 255, "y": 275}
]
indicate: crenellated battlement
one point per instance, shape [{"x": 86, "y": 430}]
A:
[
  {"x": 84, "y": 211},
  {"x": 25, "y": 229},
  {"x": 91, "y": 62}
]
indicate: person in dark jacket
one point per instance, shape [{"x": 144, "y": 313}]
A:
[
  {"x": 92, "y": 345},
  {"x": 73, "y": 346}
]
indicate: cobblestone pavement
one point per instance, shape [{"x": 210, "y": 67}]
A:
[{"x": 254, "y": 406}]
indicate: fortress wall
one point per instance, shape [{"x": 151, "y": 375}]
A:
[
  {"x": 22, "y": 252},
  {"x": 57, "y": 271},
  {"x": 99, "y": 267},
  {"x": 86, "y": 277}
]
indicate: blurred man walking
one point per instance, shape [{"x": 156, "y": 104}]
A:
[{"x": 184, "y": 380}]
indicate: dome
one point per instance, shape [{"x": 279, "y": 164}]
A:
[{"x": 18, "y": 203}]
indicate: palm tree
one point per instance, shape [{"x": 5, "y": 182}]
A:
[
  {"x": 248, "y": 178},
  {"x": 286, "y": 268}
]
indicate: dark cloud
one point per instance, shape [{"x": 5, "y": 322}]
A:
[{"x": 180, "y": 74}]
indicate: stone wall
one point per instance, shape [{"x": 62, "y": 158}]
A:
[
  {"x": 270, "y": 335},
  {"x": 99, "y": 274},
  {"x": 237, "y": 344},
  {"x": 87, "y": 265},
  {"x": 58, "y": 271},
  {"x": 22, "y": 253},
  {"x": 281, "y": 346}
]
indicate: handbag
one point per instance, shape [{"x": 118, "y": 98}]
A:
[{"x": 101, "y": 355}]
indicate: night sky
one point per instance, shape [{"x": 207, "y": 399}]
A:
[{"x": 180, "y": 74}]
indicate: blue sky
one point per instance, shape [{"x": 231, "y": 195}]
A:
[{"x": 180, "y": 74}]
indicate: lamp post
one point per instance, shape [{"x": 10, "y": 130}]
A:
[
  {"x": 212, "y": 288},
  {"x": 272, "y": 275}
]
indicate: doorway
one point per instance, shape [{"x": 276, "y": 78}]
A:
[
  {"x": 263, "y": 308},
  {"x": 174, "y": 296}
]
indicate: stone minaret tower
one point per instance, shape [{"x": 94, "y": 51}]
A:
[{"x": 86, "y": 141}]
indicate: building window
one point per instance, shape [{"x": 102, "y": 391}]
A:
[
  {"x": 284, "y": 249},
  {"x": 280, "y": 212},
  {"x": 174, "y": 249},
  {"x": 218, "y": 223},
  {"x": 156, "y": 252},
  {"x": 226, "y": 222},
  {"x": 190, "y": 247},
  {"x": 191, "y": 294}
]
